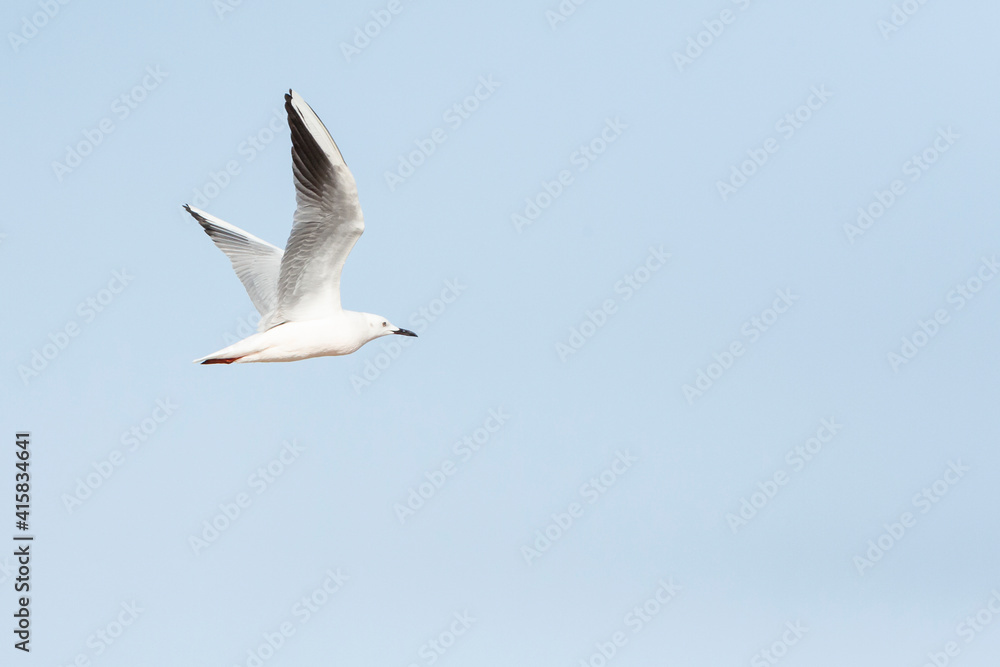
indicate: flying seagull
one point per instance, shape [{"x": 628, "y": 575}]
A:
[{"x": 297, "y": 290}]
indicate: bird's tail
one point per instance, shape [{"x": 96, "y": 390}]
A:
[{"x": 235, "y": 353}]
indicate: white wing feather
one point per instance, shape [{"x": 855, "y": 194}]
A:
[
  {"x": 327, "y": 223},
  {"x": 257, "y": 263}
]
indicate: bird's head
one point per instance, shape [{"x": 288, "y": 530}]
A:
[{"x": 378, "y": 326}]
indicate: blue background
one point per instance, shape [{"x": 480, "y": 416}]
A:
[{"x": 367, "y": 440}]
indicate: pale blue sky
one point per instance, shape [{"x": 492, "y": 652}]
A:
[{"x": 622, "y": 146}]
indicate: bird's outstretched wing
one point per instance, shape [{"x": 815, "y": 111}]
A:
[
  {"x": 327, "y": 222},
  {"x": 256, "y": 262}
]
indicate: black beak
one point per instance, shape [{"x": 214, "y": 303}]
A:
[{"x": 404, "y": 332}]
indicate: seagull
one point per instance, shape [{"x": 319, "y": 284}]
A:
[{"x": 297, "y": 290}]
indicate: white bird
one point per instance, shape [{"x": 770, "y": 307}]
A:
[{"x": 297, "y": 290}]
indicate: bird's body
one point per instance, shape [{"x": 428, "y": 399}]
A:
[
  {"x": 292, "y": 341},
  {"x": 297, "y": 290}
]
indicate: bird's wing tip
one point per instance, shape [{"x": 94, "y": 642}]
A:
[{"x": 196, "y": 213}]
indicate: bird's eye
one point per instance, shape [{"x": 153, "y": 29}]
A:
[{"x": 383, "y": 324}]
